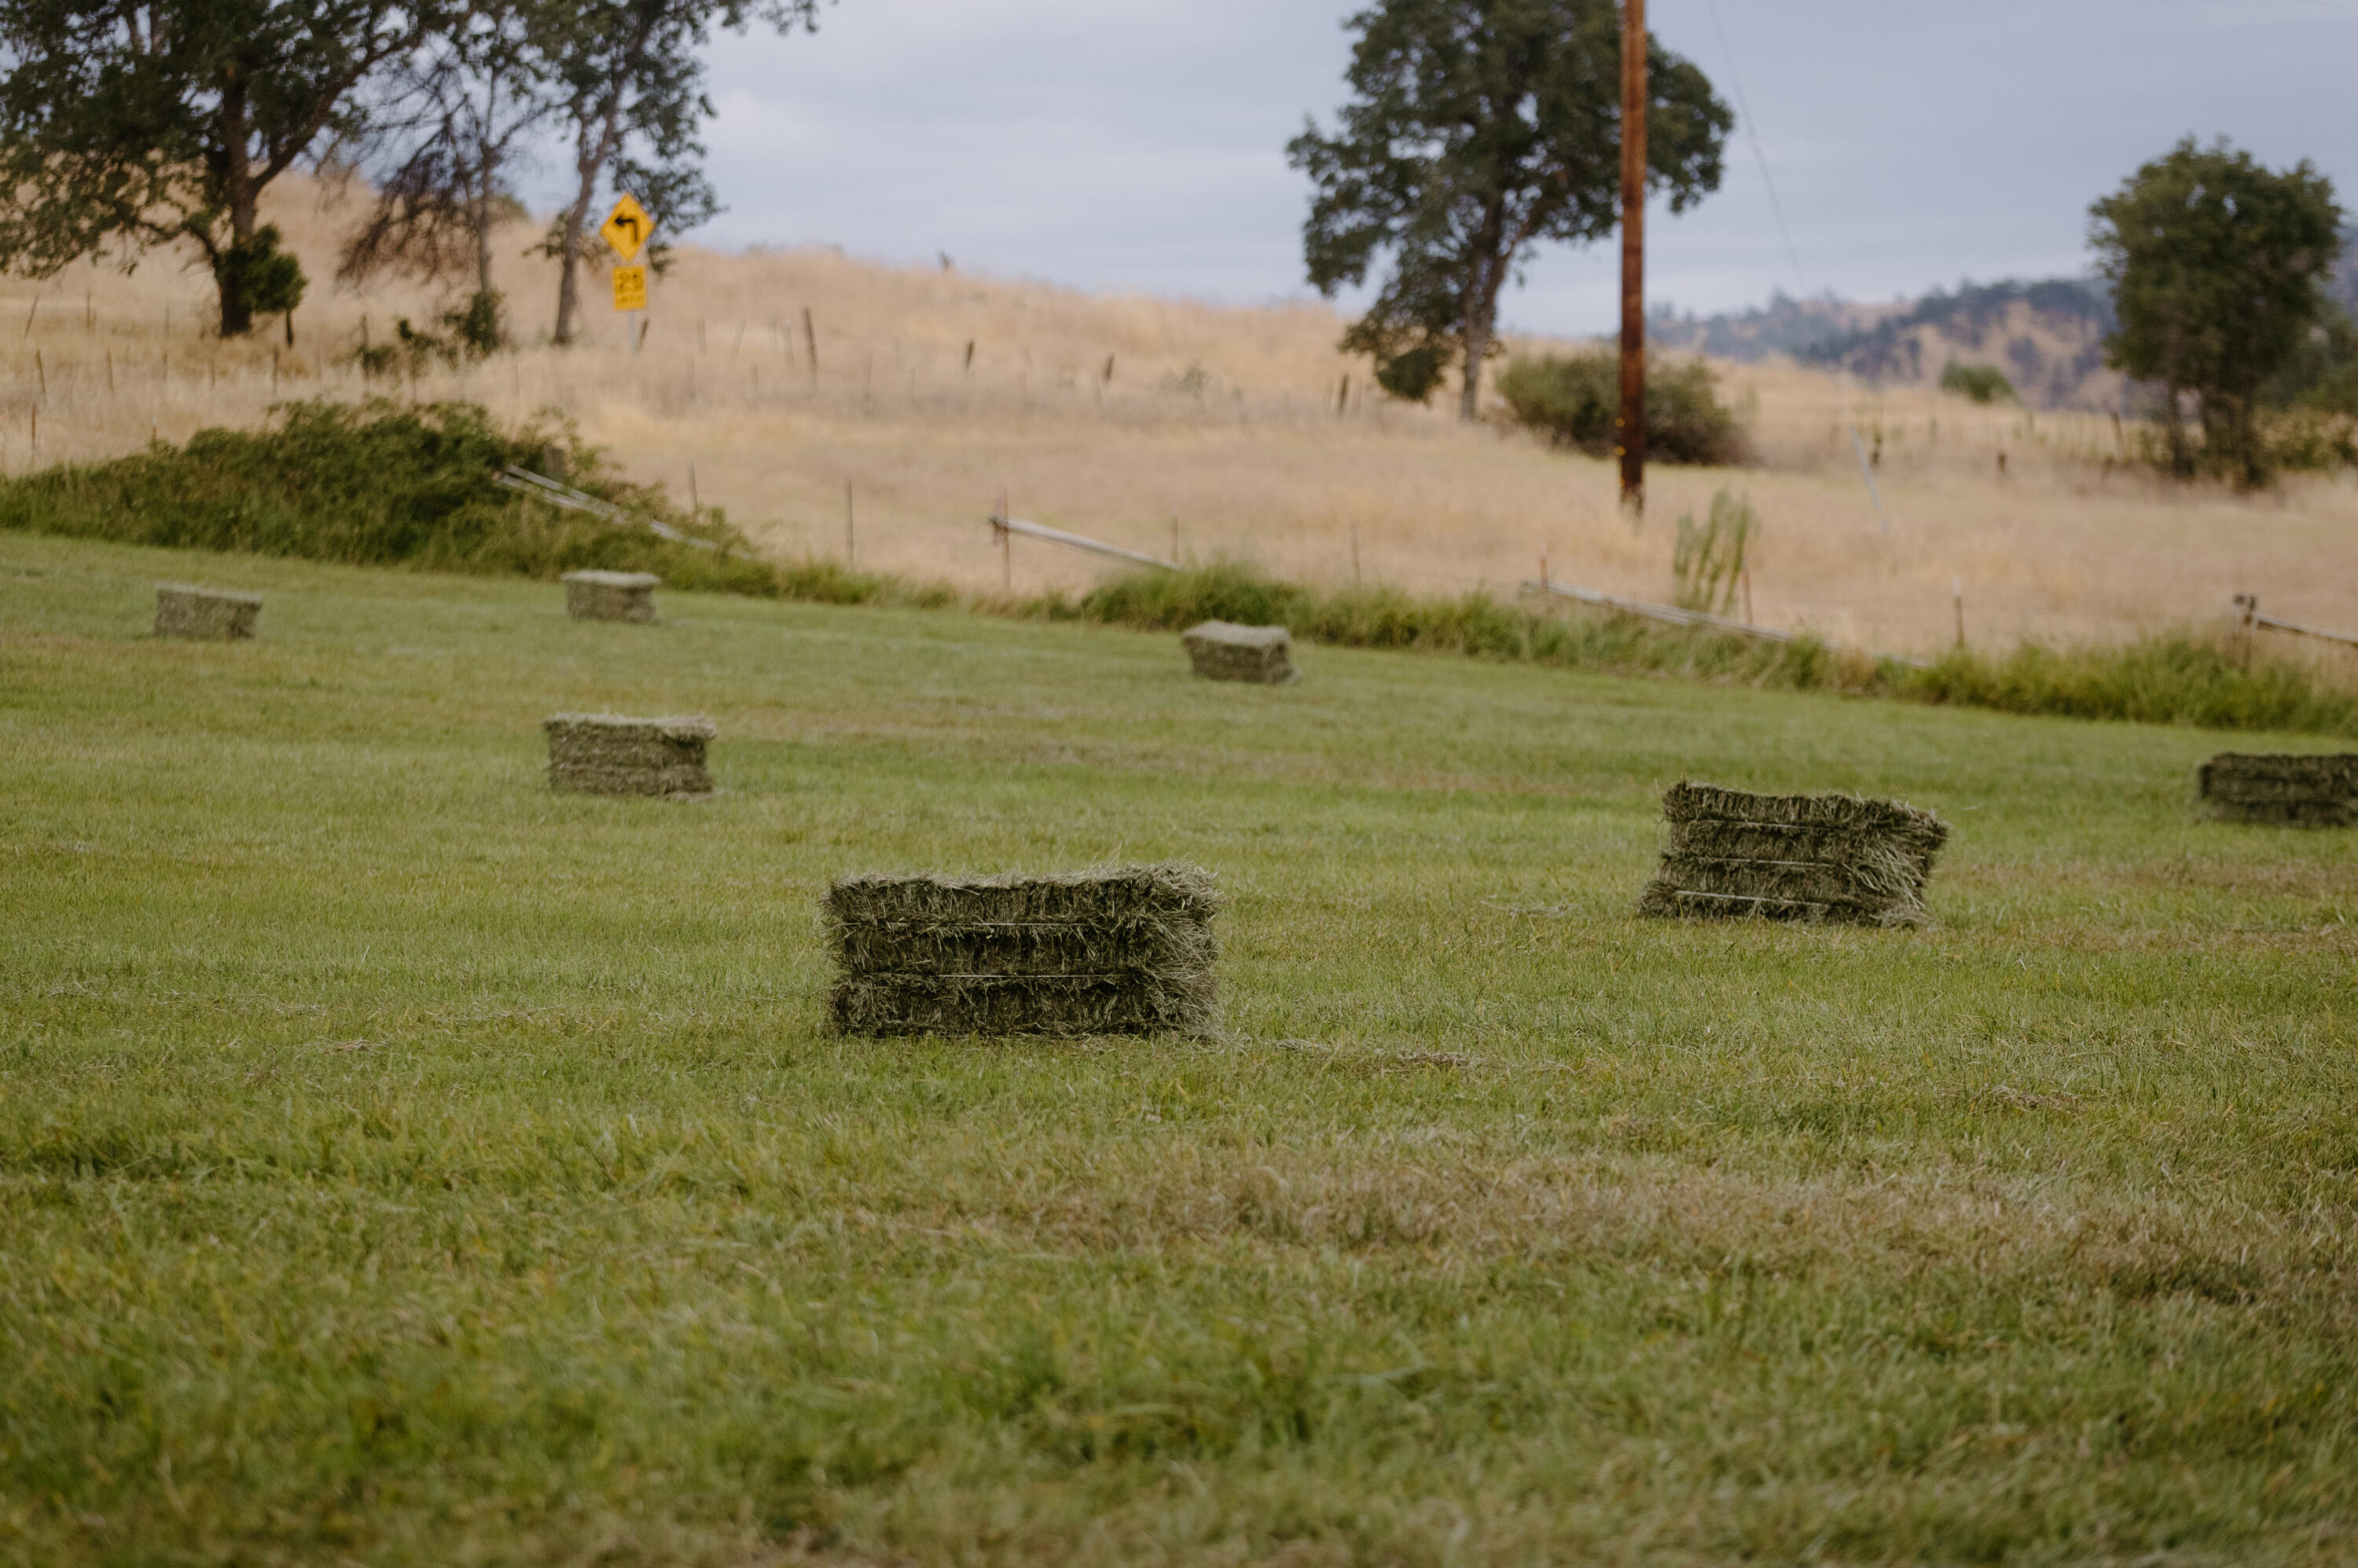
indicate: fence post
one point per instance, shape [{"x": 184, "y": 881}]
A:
[{"x": 1006, "y": 544}]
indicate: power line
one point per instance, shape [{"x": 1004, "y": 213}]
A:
[
  {"x": 1800, "y": 276},
  {"x": 1752, "y": 135}
]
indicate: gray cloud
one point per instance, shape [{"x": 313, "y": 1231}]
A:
[{"x": 1139, "y": 143}]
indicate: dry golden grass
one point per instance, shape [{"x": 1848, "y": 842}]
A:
[{"x": 1217, "y": 427}]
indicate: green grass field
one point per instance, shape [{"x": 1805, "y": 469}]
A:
[{"x": 400, "y": 1164}]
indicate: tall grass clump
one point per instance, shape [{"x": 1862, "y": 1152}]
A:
[
  {"x": 1472, "y": 624},
  {"x": 1708, "y": 562},
  {"x": 2180, "y": 678}
]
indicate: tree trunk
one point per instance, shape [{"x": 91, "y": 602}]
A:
[
  {"x": 568, "y": 263},
  {"x": 2230, "y": 436},
  {"x": 236, "y": 314},
  {"x": 483, "y": 232},
  {"x": 1480, "y": 325},
  {"x": 2173, "y": 425},
  {"x": 486, "y": 185},
  {"x": 588, "y": 163}
]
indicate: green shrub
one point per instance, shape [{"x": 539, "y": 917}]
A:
[
  {"x": 2307, "y": 439},
  {"x": 1414, "y": 376},
  {"x": 1574, "y": 400},
  {"x": 270, "y": 279},
  {"x": 1980, "y": 384},
  {"x": 381, "y": 484}
]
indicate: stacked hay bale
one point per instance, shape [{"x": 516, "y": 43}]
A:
[
  {"x": 1223, "y": 650},
  {"x": 2286, "y": 792},
  {"x": 1832, "y": 858},
  {"x": 1124, "y": 951},
  {"x": 205, "y": 614},
  {"x": 611, "y": 596},
  {"x": 606, "y": 753}
]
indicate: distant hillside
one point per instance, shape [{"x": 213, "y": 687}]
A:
[
  {"x": 2047, "y": 337},
  {"x": 1784, "y": 325}
]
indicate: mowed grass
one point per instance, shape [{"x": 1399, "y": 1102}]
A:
[{"x": 400, "y": 1164}]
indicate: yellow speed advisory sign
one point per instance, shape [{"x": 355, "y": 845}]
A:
[
  {"x": 627, "y": 228},
  {"x": 630, "y": 288}
]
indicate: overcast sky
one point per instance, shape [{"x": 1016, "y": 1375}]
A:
[{"x": 1138, "y": 145}]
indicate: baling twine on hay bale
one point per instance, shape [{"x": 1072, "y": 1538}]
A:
[
  {"x": 2279, "y": 791},
  {"x": 205, "y": 614},
  {"x": 1221, "y": 649},
  {"x": 1126, "y": 951},
  {"x": 611, "y": 596},
  {"x": 608, "y": 753},
  {"x": 1831, "y": 857}
]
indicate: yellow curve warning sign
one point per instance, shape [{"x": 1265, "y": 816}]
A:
[
  {"x": 627, "y": 228},
  {"x": 630, "y": 288}
]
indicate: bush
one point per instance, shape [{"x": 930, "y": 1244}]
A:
[
  {"x": 1980, "y": 383},
  {"x": 379, "y": 484},
  {"x": 1415, "y": 376},
  {"x": 270, "y": 279},
  {"x": 1574, "y": 400}
]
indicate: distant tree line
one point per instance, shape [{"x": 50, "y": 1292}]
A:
[{"x": 130, "y": 128}]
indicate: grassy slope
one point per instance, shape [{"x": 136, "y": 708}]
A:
[{"x": 399, "y": 1164}]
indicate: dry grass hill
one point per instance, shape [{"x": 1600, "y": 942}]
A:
[{"x": 1229, "y": 430}]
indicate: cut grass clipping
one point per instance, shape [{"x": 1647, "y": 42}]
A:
[
  {"x": 606, "y": 753},
  {"x": 1128, "y": 950},
  {"x": 1815, "y": 857},
  {"x": 2280, "y": 791},
  {"x": 380, "y": 484}
]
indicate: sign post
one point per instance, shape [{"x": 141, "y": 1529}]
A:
[{"x": 627, "y": 228}]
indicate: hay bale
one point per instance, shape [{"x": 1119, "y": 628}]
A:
[
  {"x": 1223, "y": 650},
  {"x": 1836, "y": 857},
  {"x": 2282, "y": 791},
  {"x": 205, "y": 614},
  {"x": 1127, "y": 950},
  {"x": 605, "y": 753},
  {"x": 611, "y": 596}
]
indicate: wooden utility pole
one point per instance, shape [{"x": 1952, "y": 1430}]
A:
[{"x": 1630, "y": 427}]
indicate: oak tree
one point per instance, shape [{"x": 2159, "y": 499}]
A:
[
  {"x": 1478, "y": 130},
  {"x": 2218, "y": 266},
  {"x": 130, "y": 126}
]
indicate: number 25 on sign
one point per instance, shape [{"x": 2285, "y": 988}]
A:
[{"x": 627, "y": 229}]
